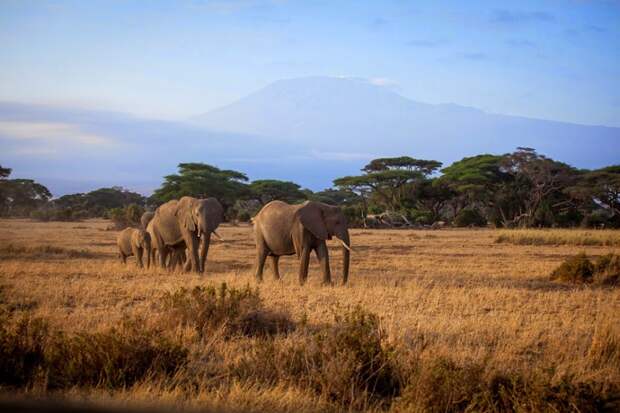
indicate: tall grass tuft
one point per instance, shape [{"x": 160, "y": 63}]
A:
[
  {"x": 578, "y": 269},
  {"x": 227, "y": 311},
  {"x": 31, "y": 353},
  {"x": 349, "y": 362}
]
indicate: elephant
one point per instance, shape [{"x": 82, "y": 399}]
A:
[
  {"x": 188, "y": 222},
  {"x": 283, "y": 229},
  {"x": 136, "y": 242},
  {"x": 177, "y": 254},
  {"x": 146, "y": 218}
]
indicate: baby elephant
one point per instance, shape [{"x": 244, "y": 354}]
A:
[{"x": 136, "y": 242}]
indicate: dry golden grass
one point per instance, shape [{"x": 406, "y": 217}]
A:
[
  {"x": 457, "y": 294},
  {"x": 609, "y": 238}
]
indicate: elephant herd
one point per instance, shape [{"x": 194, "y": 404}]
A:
[{"x": 179, "y": 233}]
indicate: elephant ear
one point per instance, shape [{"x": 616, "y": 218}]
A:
[
  {"x": 215, "y": 213},
  {"x": 184, "y": 213},
  {"x": 311, "y": 217}
]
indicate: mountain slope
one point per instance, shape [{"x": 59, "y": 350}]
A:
[
  {"x": 75, "y": 150},
  {"x": 349, "y": 117}
]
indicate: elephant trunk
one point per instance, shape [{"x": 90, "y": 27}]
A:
[{"x": 346, "y": 256}]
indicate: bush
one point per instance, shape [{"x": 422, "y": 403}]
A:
[
  {"x": 576, "y": 269},
  {"x": 31, "y": 353},
  {"x": 22, "y": 346},
  {"x": 607, "y": 270},
  {"x": 349, "y": 362},
  {"x": 115, "y": 359},
  {"x": 441, "y": 385},
  {"x": 244, "y": 216},
  {"x": 227, "y": 310},
  {"x": 124, "y": 217},
  {"x": 579, "y": 269},
  {"x": 470, "y": 218},
  {"x": 420, "y": 217}
]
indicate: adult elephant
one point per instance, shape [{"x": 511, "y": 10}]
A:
[
  {"x": 283, "y": 229},
  {"x": 189, "y": 221}
]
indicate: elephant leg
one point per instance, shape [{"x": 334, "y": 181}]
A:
[
  {"x": 187, "y": 266},
  {"x": 274, "y": 265},
  {"x": 261, "y": 256},
  {"x": 192, "y": 248},
  {"x": 137, "y": 252},
  {"x": 163, "y": 254},
  {"x": 303, "y": 264},
  {"x": 323, "y": 256},
  {"x": 205, "y": 241},
  {"x": 123, "y": 258},
  {"x": 174, "y": 258}
]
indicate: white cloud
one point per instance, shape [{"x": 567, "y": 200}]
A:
[
  {"x": 51, "y": 132},
  {"x": 377, "y": 81},
  {"x": 382, "y": 81}
]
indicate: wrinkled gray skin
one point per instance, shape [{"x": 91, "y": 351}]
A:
[
  {"x": 176, "y": 254},
  {"x": 146, "y": 218},
  {"x": 178, "y": 258},
  {"x": 189, "y": 222},
  {"x": 136, "y": 242},
  {"x": 283, "y": 229}
]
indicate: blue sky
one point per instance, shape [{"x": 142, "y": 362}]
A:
[{"x": 546, "y": 59}]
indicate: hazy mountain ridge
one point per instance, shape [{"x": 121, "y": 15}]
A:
[
  {"x": 308, "y": 130},
  {"x": 331, "y": 113}
]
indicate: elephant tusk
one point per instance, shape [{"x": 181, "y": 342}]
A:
[
  {"x": 345, "y": 245},
  {"x": 218, "y": 236}
]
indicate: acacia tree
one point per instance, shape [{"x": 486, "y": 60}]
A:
[
  {"x": 388, "y": 178},
  {"x": 201, "y": 181},
  {"x": 433, "y": 195},
  {"x": 536, "y": 180},
  {"x": 20, "y": 196},
  {"x": 598, "y": 189},
  {"x": 267, "y": 190},
  {"x": 477, "y": 181}
]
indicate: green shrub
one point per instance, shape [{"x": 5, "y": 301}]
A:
[
  {"x": 470, "y": 218},
  {"x": 576, "y": 269},
  {"x": 230, "y": 311},
  {"x": 123, "y": 217},
  {"x": 420, "y": 217},
  {"x": 244, "y": 216}
]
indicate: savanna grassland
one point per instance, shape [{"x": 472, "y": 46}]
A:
[{"x": 446, "y": 320}]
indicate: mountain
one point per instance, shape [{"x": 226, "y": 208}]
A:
[
  {"x": 76, "y": 150},
  {"x": 343, "y": 118},
  {"x": 309, "y": 131}
]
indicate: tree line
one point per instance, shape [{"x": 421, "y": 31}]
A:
[{"x": 518, "y": 189}]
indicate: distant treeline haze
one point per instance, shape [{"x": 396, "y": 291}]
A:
[{"x": 519, "y": 189}]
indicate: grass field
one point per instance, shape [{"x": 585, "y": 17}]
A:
[{"x": 455, "y": 308}]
